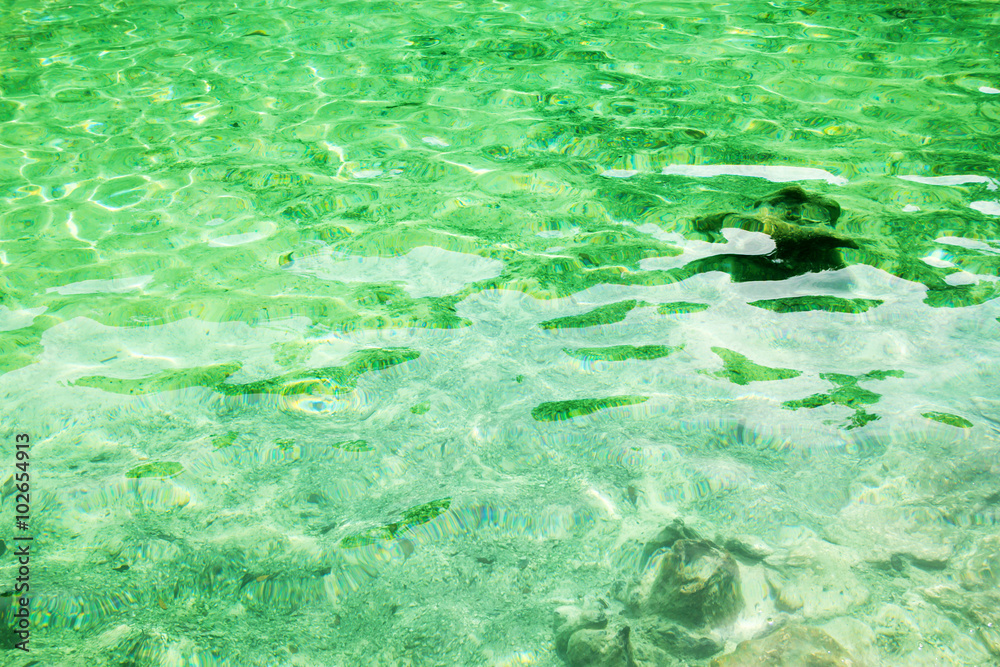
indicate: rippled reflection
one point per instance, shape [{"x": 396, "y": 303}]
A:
[{"x": 375, "y": 333}]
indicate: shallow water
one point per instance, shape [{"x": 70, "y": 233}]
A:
[{"x": 374, "y": 332}]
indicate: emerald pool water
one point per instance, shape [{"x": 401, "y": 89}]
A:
[{"x": 375, "y": 332}]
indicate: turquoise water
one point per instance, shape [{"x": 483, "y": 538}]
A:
[{"x": 374, "y": 333}]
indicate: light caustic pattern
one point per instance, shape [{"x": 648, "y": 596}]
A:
[{"x": 373, "y": 332}]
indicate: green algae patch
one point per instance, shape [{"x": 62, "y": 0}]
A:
[
  {"x": 562, "y": 410},
  {"x": 227, "y": 440},
  {"x": 21, "y": 347},
  {"x": 609, "y": 314},
  {"x": 848, "y": 393},
  {"x": 202, "y": 376},
  {"x": 949, "y": 419},
  {"x": 424, "y": 513},
  {"x": 830, "y": 304},
  {"x": 621, "y": 352},
  {"x": 741, "y": 370},
  {"x": 960, "y": 296},
  {"x": 681, "y": 308},
  {"x": 371, "y": 536},
  {"x": 420, "y": 408},
  {"x": 881, "y": 375},
  {"x": 614, "y": 248},
  {"x": 155, "y": 470},
  {"x": 353, "y": 446},
  {"x": 329, "y": 380},
  {"x": 610, "y": 256},
  {"x": 411, "y": 518},
  {"x": 860, "y": 418}
]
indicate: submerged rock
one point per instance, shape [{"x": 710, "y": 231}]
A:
[
  {"x": 641, "y": 642},
  {"x": 679, "y": 642},
  {"x": 799, "y": 223},
  {"x": 695, "y": 583},
  {"x": 857, "y": 637},
  {"x": 980, "y": 607},
  {"x": 791, "y": 646},
  {"x": 601, "y": 648},
  {"x": 814, "y": 578},
  {"x": 980, "y": 569},
  {"x": 666, "y": 538},
  {"x": 794, "y": 204},
  {"x": 748, "y": 547},
  {"x": 571, "y": 619},
  {"x": 689, "y": 585}
]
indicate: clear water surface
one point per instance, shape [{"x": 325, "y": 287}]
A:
[{"x": 372, "y": 333}]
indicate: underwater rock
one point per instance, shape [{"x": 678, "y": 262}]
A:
[
  {"x": 679, "y": 642},
  {"x": 601, "y": 648},
  {"x": 798, "y": 222},
  {"x": 570, "y": 619},
  {"x": 896, "y": 632},
  {"x": 990, "y": 637},
  {"x": 978, "y": 596},
  {"x": 857, "y": 637},
  {"x": 791, "y": 646},
  {"x": 928, "y": 556},
  {"x": 785, "y": 598},
  {"x": 890, "y": 522},
  {"x": 980, "y": 569},
  {"x": 814, "y": 578},
  {"x": 748, "y": 547},
  {"x": 645, "y": 642},
  {"x": 695, "y": 583},
  {"x": 691, "y": 585},
  {"x": 802, "y": 226},
  {"x": 792, "y": 203},
  {"x": 666, "y": 538},
  {"x": 981, "y": 607}
]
